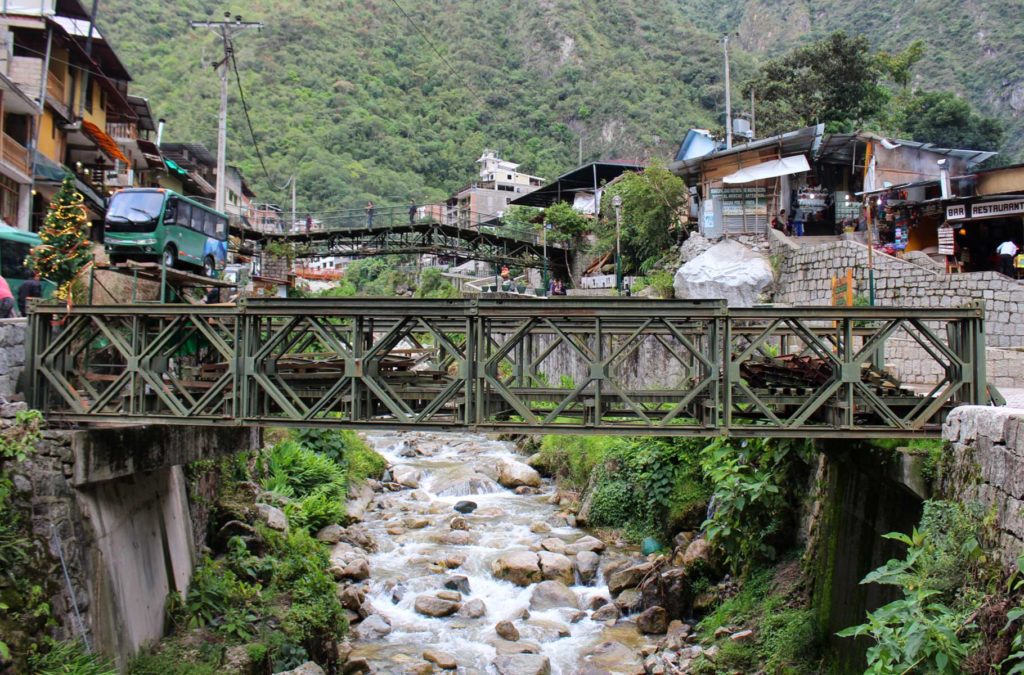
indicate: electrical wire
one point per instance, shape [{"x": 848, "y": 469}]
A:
[
  {"x": 248, "y": 120},
  {"x": 430, "y": 44}
]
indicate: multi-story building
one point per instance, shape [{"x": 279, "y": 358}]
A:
[
  {"x": 191, "y": 170},
  {"x": 18, "y": 116},
  {"x": 238, "y": 197},
  {"x": 53, "y": 55},
  {"x": 486, "y": 200}
]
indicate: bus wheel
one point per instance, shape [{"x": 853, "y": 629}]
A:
[
  {"x": 209, "y": 266},
  {"x": 170, "y": 257}
]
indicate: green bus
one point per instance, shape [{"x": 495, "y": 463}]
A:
[
  {"x": 14, "y": 248},
  {"x": 157, "y": 224}
]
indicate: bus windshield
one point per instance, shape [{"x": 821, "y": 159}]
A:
[{"x": 131, "y": 211}]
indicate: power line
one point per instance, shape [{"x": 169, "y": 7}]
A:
[
  {"x": 248, "y": 121},
  {"x": 430, "y": 44}
]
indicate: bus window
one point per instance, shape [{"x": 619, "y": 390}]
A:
[
  {"x": 222, "y": 228},
  {"x": 211, "y": 225},
  {"x": 12, "y": 260},
  {"x": 183, "y": 215},
  {"x": 198, "y": 219}
]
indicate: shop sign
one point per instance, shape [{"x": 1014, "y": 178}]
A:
[
  {"x": 957, "y": 212},
  {"x": 946, "y": 246},
  {"x": 1010, "y": 207},
  {"x": 749, "y": 201}
]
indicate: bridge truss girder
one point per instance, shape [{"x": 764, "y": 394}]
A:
[{"x": 516, "y": 366}]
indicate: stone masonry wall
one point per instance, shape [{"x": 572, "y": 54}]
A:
[
  {"x": 983, "y": 464},
  {"x": 12, "y": 353}
]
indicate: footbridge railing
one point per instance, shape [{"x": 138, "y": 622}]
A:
[{"x": 624, "y": 366}]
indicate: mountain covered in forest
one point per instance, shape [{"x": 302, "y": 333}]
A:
[{"x": 395, "y": 100}]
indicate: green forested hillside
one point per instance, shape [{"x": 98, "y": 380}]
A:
[{"x": 349, "y": 95}]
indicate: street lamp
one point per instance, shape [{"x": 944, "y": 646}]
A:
[{"x": 617, "y": 203}]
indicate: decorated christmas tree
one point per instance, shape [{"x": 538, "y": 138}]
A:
[{"x": 65, "y": 248}]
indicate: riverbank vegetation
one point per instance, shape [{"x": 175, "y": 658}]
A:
[{"x": 263, "y": 599}]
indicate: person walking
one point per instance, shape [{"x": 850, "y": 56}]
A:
[
  {"x": 309, "y": 224},
  {"x": 31, "y": 288},
  {"x": 6, "y": 300},
  {"x": 412, "y": 211},
  {"x": 369, "y": 215},
  {"x": 1007, "y": 250}
]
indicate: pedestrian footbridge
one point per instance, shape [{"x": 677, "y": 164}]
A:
[{"x": 620, "y": 366}]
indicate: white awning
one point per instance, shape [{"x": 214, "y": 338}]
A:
[{"x": 772, "y": 169}]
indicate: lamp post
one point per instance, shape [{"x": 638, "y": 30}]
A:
[{"x": 617, "y": 203}]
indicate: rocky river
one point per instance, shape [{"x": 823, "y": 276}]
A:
[{"x": 473, "y": 564}]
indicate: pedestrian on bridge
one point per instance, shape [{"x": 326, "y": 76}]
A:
[
  {"x": 369, "y": 216},
  {"x": 412, "y": 211}
]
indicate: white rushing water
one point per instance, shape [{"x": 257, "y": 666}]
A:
[{"x": 412, "y": 559}]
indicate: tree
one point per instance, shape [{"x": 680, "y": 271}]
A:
[
  {"x": 899, "y": 65},
  {"x": 652, "y": 203},
  {"x": 65, "y": 249},
  {"x": 834, "y": 80},
  {"x": 567, "y": 224},
  {"x": 948, "y": 121}
]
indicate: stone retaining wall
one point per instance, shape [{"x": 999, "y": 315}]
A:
[
  {"x": 12, "y": 354},
  {"x": 985, "y": 456}
]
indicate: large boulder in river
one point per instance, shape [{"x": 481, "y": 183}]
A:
[
  {"x": 553, "y": 594},
  {"x": 523, "y": 664},
  {"x": 629, "y": 577},
  {"x": 652, "y": 621},
  {"x": 430, "y": 605},
  {"x": 512, "y": 474},
  {"x": 585, "y": 543},
  {"x": 611, "y": 657},
  {"x": 557, "y": 567},
  {"x": 728, "y": 270},
  {"x": 407, "y": 476},
  {"x": 586, "y": 566},
  {"x": 520, "y": 567},
  {"x": 373, "y": 627}
]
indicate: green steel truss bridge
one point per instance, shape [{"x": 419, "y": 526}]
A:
[
  {"x": 515, "y": 366},
  {"x": 471, "y": 236}
]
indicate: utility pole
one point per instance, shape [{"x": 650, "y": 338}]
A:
[
  {"x": 293, "y": 203},
  {"x": 753, "y": 116},
  {"x": 226, "y": 30},
  {"x": 617, "y": 203},
  {"x": 728, "y": 95}
]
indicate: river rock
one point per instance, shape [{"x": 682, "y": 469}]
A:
[
  {"x": 351, "y": 597},
  {"x": 416, "y": 523},
  {"x": 433, "y": 606},
  {"x": 552, "y": 594},
  {"x": 442, "y": 660},
  {"x": 557, "y": 567},
  {"x": 544, "y": 630},
  {"x": 457, "y": 538},
  {"x": 397, "y": 593},
  {"x": 652, "y": 621},
  {"x": 307, "y": 668},
  {"x": 358, "y": 502},
  {"x": 539, "y": 527},
  {"x": 504, "y": 647},
  {"x": 273, "y": 517},
  {"x": 628, "y": 601},
  {"x": 507, "y": 630},
  {"x": 523, "y": 664},
  {"x": 612, "y": 657},
  {"x": 606, "y": 613},
  {"x": 586, "y": 566},
  {"x": 520, "y": 567},
  {"x": 585, "y": 543},
  {"x": 419, "y": 496},
  {"x": 598, "y": 601},
  {"x": 330, "y": 534},
  {"x": 457, "y": 582},
  {"x": 491, "y": 512},
  {"x": 526, "y": 490},
  {"x": 407, "y": 476},
  {"x": 458, "y": 523},
  {"x": 357, "y": 570},
  {"x": 449, "y": 595},
  {"x": 698, "y": 553},
  {"x": 395, "y": 530},
  {"x": 628, "y": 578},
  {"x": 423, "y": 668},
  {"x": 553, "y": 544},
  {"x": 477, "y": 484},
  {"x": 357, "y": 666},
  {"x": 360, "y": 537},
  {"x": 473, "y": 609},
  {"x": 465, "y": 507},
  {"x": 536, "y": 462},
  {"x": 372, "y": 627},
  {"x": 512, "y": 474}
]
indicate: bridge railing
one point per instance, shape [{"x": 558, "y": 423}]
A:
[{"x": 623, "y": 366}]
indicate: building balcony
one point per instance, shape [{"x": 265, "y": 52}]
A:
[
  {"x": 122, "y": 131},
  {"x": 14, "y": 154}
]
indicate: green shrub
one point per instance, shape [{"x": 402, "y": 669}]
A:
[
  {"x": 789, "y": 640},
  {"x": 69, "y": 658},
  {"x": 574, "y": 458},
  {"x": 18, "y": 440}
]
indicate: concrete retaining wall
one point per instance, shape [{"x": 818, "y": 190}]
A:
[{"x": 12, "y": 354}]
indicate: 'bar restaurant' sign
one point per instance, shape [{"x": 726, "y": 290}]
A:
[{"x": 1008, "y": 207}]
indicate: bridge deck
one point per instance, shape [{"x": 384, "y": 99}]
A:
[{"x": 624, "y": 366}]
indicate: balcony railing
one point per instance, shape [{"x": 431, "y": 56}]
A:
[
  {"x": 55, "y": 88},
  {"x": 122, "y": 131},
  {"x": 14, "y": 153}
]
